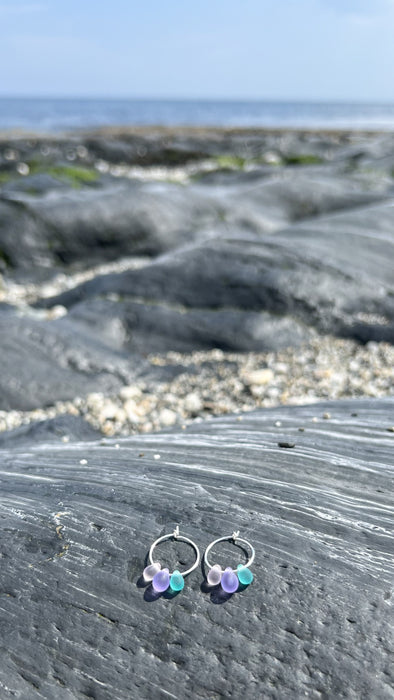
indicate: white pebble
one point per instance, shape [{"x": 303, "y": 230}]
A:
[
  {"x": 193, "y": 403},
  {"x": 130, "y": 392},
  {"x": 259, "y": 377},
  {"x": 167, "y": 417},
  {"x": 22, "y": 169}
]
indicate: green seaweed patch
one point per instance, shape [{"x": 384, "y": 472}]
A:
[
  {"x": 75, "y": 176},
  {"x": 231, "y": 162},
  {"x": 302, "y": 159},
  {"x": 5, "y": 177}
]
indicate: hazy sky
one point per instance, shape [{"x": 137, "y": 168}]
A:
[{"x": 280, "y": 49}]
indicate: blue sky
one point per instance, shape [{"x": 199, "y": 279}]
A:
[{"x": 279, "y": 49}]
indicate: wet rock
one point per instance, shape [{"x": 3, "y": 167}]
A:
[
  {"x": 306, "y": 274},
  {"x": 44, "y": 361},
  {"x": 76, "y": 525}
]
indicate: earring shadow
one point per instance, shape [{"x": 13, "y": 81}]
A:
[
  {"x": 219, "y": 596},
  {"x": 169, "y": 594},
  {"x": 150, "y": 595},
  {"x": 141, "y": 583}
]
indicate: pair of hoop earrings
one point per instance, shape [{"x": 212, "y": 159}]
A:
[{"x": 229, "y": 579}]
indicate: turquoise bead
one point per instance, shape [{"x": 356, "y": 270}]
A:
[
  {"x": 245, "y": 575},
  {"x": 177, "y": 581}
]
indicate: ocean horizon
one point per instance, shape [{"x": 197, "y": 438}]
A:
[{"x": 54, "y": 115}]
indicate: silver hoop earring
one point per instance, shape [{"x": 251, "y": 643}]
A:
[
  {"x": 161, "y": 578},
  {"x": 230, "y": 579}
]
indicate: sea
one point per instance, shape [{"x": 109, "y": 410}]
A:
[{"x": 50, "y": 115}]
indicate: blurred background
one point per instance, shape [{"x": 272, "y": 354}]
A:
[
  {"x": 196, "y": 208},
  {"x": 310, "y": 63}
]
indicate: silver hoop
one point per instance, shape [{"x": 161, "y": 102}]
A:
[
  {"x": 176, "y": 536},
  {"x": 236, "y": 539}
]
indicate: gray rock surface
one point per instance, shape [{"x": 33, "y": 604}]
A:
[
  {"x": 43, "y": 361},
  {"x": 81, "y": 202},
  {"x": 64, "y": 427},
  {"x": 276, "y": 237},
  {"x": 333, "y": 274},
  {"x": 77, "y": 520},
  {"x": 64, "y": 226}
]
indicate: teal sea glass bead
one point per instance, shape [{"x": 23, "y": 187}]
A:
[
  {"x": 244, "y": 574},
  {"x": 177, "y": 581}
]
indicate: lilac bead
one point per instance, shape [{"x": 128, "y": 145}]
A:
[
  {"x": 161, "y": 581},
  {"x": 229, "y": 581},
  {"x": 151, "y": 570},
  {"x": 214, "y": 575}
]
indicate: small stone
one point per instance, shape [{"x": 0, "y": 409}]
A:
[
  {"x": 214, "y": 575},
  {"x": 161, "y": 581},
  {"x": 108, "y": 410},
  {"x": 72, "y": 411},
  {"x": 301, "y": 430},
  {"x": 151, "y": 571},
  {"x": 193, "y": 403},
  {"x": 22, "y": 169},
  {"x": 245, "y": 575},
  {"x": 10, "y": 154},
  {"x": 94, "y": 402},
  {"x": 83, "y": 461},
  {"x": 257, "y": 391},
  {"x": 286, "y": 444},
  {"x": 56, "y": 312},
  {"x": 167, "y": 417},
  {"x": 390, "y": 429},
  {"x": 82, "y": 151},
  {"x": 326, "y": 416},
  {"x": 229, "y": 581},
  {"x": 278, "y": 423},
  {"x": 108, "y": 428},
  {"x": 259, "y": 377},
  {"x": 272, "y": 158},
  {"x": 156, "y": 456},
  {"x": 130, "y": 392},
  {"x": 130, "y": 409},
  {"x": 177, "y": 582}
]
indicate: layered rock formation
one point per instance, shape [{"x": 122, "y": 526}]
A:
[{"x": 259, "y": 241}]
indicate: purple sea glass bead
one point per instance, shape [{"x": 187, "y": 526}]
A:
[
  {"x": 161, "y": 581},
  {"x": 151, "y": 570},
  {"x": 229, "y": 581},
  {"x": 214, "y": 575}
]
